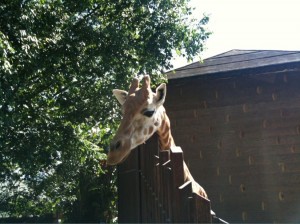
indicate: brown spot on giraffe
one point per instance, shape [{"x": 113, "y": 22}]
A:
[
  {"x": 145, "y": 131},
  {"x": 151, "y": 128}
]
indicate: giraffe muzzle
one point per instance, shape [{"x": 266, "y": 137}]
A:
[{"x": 118, "y": 152}]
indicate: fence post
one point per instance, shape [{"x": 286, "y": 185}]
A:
[
  {"x": 176, "y": 158},
  {"x": 165, "y": 177},
  {"x": 201, "y": 209},
  {"x": 128, "y": 172},
  {"x": 185, "y": 201}
]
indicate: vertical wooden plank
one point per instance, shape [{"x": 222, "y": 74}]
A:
[
  {"x": 163, "y": 158},
  {"x": 153, "y": 161},
  {"x": 167, "y": 194},
  {"x": 176, "y": 157},
  {"x": 151, "y": 177},
  {"x": 157, "y": 189},
  {"x": 128, "y": 172},
  {"x": 185, "y": 192},
  {"x": 201, "y": 209},
  {"x": 143, "y": 187},
  {"x": 150, "y": 206},
  {"x": 148, "y": 212}
]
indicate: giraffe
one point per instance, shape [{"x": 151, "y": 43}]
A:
[{"x": 143, "y": 115}]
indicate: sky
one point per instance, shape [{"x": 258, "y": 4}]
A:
[{"x": 249, "y": 25}]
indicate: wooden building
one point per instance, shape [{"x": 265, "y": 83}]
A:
[{"x": 236, "y": 117}]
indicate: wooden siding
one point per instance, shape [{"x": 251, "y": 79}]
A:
[{"x": 241, "y": 140}]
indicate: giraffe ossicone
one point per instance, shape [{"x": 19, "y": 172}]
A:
[{"x": 143, "y": 115}]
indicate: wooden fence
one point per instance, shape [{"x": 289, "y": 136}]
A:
[{"x": 152, "y": 189}]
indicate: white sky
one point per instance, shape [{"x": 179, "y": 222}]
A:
[{"x": 249, "y": 25}]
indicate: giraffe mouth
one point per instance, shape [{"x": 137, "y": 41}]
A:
[
  {"x": 111, "y": 161},
  {"x": 124, "y": 158}
]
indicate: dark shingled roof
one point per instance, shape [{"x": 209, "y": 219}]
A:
[{"x": 235, "y": 60}]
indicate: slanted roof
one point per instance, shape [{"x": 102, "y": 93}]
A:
[{"x": 235, "y": 60}]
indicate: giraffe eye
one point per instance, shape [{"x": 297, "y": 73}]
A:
[{"x": 148, "y": 113}]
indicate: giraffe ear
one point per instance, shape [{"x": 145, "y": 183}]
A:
[
  {"x": 121, "y": 95},
  {"x": 161, "y": 94}
]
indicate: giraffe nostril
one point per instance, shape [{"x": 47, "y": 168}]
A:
[
  {"x": 118, "y": 144},
  {"x": 115, "y": 145}
]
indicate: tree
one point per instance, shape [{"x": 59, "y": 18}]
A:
[{"x": 59, "y": 61}]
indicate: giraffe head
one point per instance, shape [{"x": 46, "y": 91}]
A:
[{"x": 142, "y": 111}]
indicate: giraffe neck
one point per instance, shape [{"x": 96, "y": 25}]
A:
[{"x": 166, "y": 140}]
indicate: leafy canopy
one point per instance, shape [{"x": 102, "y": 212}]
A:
[{"x": 59, "y": 61}]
